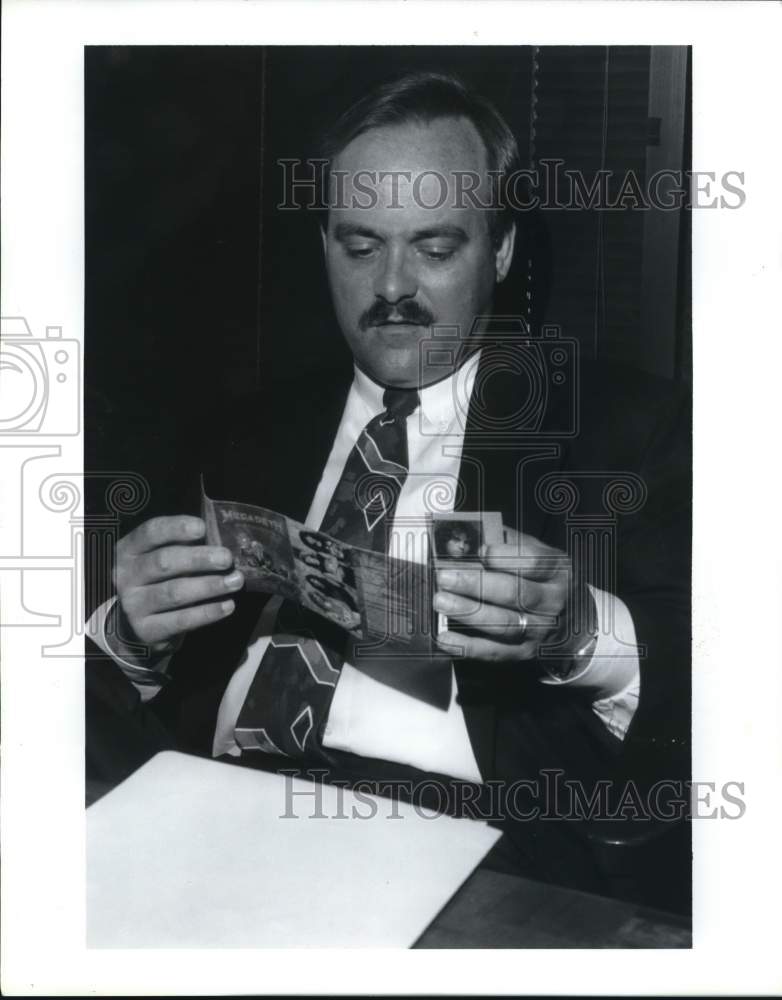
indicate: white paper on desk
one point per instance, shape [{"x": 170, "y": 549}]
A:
[{"x": 192, "y": 853}]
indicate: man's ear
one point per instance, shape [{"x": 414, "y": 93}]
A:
[{"x": 504, "y": 254}]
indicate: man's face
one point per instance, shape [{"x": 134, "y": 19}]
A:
[
  {"x": 404, "y": 251},
  {"x": 458, "y": 545}
]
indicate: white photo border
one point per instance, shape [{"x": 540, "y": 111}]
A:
[{"x": 737, "y": 579}]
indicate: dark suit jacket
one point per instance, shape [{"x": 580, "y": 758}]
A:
[{"x": 552, "y": 478}]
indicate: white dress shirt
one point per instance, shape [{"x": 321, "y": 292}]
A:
[{"x": 367, "y": 717}]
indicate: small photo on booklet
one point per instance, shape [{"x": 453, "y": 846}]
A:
[{"x": 455, "y": 541}]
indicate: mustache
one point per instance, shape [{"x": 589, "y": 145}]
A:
[{"x": 406, "y": 311}]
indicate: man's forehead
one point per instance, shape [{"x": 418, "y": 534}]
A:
[
  {"x": 443, "y": 143},
  {"x": 416, "y": 169}
]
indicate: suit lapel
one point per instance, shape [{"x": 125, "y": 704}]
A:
[
  {"x": 501, "y": 463},
  {"x": 499, "y": 470}
]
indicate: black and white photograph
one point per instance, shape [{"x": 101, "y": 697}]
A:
[
  {"x": 463, "y": 538},
  {"x": 370, "y": 228},
  {"x": 427, "y": 314},
  {"x": 457, "y": 538}
]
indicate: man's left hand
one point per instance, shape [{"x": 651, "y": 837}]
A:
[{"x": 514, "y": 600}]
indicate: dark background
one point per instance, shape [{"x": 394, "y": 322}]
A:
[{"x": 197, "y": 287}]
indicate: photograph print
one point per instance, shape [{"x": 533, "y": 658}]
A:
[{"x": 420, "y": 264}]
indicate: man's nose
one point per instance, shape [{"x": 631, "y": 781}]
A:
[{"x": 395, "y": 278}]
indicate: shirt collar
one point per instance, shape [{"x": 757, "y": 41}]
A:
[{"x": 441, "y": 402}]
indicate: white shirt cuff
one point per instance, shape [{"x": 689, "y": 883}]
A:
[
  {"x": 143, "y": 678},
  {"x": 614, "y": 671}
]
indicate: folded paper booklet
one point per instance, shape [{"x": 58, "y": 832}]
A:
[{"x": 383, "y": 603}]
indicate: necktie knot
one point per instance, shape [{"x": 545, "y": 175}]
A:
[{"x": 400, "y": 403}]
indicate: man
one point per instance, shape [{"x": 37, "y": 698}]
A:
[{"x": 547, "y": 673}]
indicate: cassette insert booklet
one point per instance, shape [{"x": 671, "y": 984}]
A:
[{"x": 383, "y": 603}]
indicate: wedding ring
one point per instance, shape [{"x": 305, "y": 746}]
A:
[{"x": 522, "y": 624}]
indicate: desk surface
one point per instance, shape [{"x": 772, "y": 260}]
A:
[
  {"x": 492, "y": 909},
  {"x": 496, "y": 910}
]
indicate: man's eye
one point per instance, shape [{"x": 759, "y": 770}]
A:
[
  {"x": 437, "y": 253},
  {"x": 359, "y": 252}
]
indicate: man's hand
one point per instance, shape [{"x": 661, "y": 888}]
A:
[
  {"x": 515, "y": 600},
  {"x": 168, "y": 584}
]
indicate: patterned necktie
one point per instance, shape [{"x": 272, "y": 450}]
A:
[
  {"x": 362, "y": 508},
  {"x": 288, "y": 701}
]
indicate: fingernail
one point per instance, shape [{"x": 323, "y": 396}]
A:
[
  {"x": 227, "y": 607},
  {"x": 443, "y": 602},
  {"x": 195, "y": 528},
  {"x": 221, "y": 559},
  {"x": 233, "y": 580}
]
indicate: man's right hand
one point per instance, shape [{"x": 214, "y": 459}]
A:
[{"x": 169, "y": 583}]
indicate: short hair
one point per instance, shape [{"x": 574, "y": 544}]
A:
[{"x": 424, "y": 97}]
